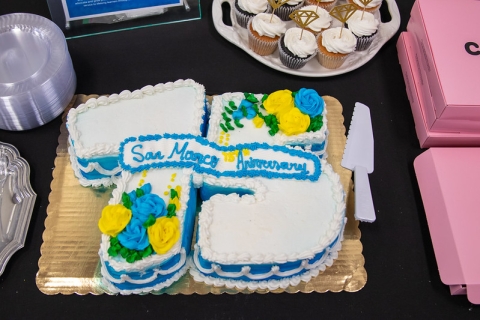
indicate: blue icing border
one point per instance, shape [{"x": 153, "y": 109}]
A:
[{"x": 234, "y": 174}]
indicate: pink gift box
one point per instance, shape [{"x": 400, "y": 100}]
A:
[
  {"x": 423, "y": 113},
  {"x": 448, "y": 178},
  {"x": 447, "y": 46}
]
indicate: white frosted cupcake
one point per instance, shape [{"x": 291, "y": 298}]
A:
[
  {"x": 294, "y": 51},
  {"x": 264, "y": 32},
  {"x": 246, "y": 9},
  {"x": 364, "y": 28},
  {"x": 285, "y": 10},
  {"x": 323, "y": 22},
  {"x": 333, "y": 50},
  {"x": 324, "y": 4},
  {"x": 372, "y": 7}
]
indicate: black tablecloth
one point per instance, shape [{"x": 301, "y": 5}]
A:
[{"x": 403, "y": 280}]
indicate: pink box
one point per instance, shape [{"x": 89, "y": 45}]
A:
[
  {"x": 421, "y": 110},
  {"x": 448, "y": 46},
  {"x": 448, "y": 178}
]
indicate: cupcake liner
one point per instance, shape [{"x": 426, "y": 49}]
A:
[
  {"x": 325, "y": 5},
  {"x": 291, "y": 61},
  {"x": 242, "y": 16},
  {"x": 330, "y": 61},
  {"x": 259, "y": 46},
  {"x": 363, "y": 43},
  {"x": 284, "y": 11}
]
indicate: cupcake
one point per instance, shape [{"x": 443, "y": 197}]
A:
[
  {"x": 264, "y": 32},
  {"x": 246, "y": 9},
  {"x": 285, "y": 10},
  {"x": 294, "y": 51},
  {"x": 323, "y": 22},
  {"x": 372, "y": 7},
  {"x": 333, "y": 50},
  {"x": 324, "y": 4},
  {"x": 365, "y": 28}
]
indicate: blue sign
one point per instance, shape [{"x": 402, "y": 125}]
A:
[{"x": 91, "y": 8}]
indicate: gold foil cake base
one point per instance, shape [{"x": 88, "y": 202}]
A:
[{"x": 69, "y": 261}]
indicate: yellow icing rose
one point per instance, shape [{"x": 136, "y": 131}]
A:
[
  {"x": 114, "y": 219},
  {"x": 293, "y": 122},
  {"x": 163, "y": 234},
  {"x": 279, "y": 102},
  {"x": 258, "y": 122}
]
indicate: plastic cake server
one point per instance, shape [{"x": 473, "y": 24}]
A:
[{"x": 358, "y": 157}]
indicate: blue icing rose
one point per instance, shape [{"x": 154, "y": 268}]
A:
[
  {"x": 134, "y": 236},
  {"x": 245, "y": 109},
  {"x": 146, "y": 188},
  {"x": 148, "y": 204},
  {"x": 309, "y": 102}
]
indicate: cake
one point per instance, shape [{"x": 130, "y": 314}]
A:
[
  {"x": 247, "y": 9},
  {"x": 262, "y": 231},
  {"x": 364, "y": 27},
  {"x": 334, "y": 46},
  {"x": 264, "y": 31},
  {"x": 296, "y": 47},
  {"x": 323, "y": 21},
  {"x": 263, "y": 155},
  {"x": 94, "y": 144}
]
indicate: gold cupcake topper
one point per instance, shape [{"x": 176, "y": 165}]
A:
[
  {"x": 343, "y": 13},
  {"x": 365, "y": 4},
  {"x": 303, "y": 18},
  {"x": 275, "y": 4}
]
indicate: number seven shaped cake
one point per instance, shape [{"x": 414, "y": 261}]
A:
[{"x": 148, "y": 224}]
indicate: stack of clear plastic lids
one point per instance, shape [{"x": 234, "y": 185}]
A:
[{"x": 37, "y": 80}]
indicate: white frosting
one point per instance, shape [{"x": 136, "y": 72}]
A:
[
  {"x": 97, "y": 127},
  {"x": 365, "y": 26},
  {"x": 300, "y": 46},
  {"x": 324, "y": 18},
  {"x": 332, "y": 41},
  {"x": 286, "y": 220},
  {"x": 372, "y": 4},
  {"x": 310, "y": 271},
  {"x": 269, "y": 25},
  {"x": 253, "y": 6},
  {"x": 250, "y": 133}
]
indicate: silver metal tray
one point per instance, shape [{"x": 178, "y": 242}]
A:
[{"x": 16, "y": 202}]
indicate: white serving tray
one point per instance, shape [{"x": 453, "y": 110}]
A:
[{"x": 238, "y": 36}]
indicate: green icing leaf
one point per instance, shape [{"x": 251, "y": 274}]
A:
[
  {"x": 114, "y": 241},
  {"x": 150, "y": 221},
  {"x": 232, "y": 105},
  {"x": 294, "y": 94},
  {"x": 223, "y": 127},
  {"x": 146, "y": 252},
  {"x": 237, "y": 123},
  {"x": 112, "y": 252},
  {"x": 171, "y": 210},
  {"x": 139, "y": 192},
  {"x": 265, "y": 96},
  {"x": 316, "y": 124},
  {"x": 173, "y": 193},
  {"x": 250, "y": 97},
  {"x": 229, "y": 111},
  {"x": 127, "y": 202},
  {"x": 124, "y": 252},
  {"x": 229, "y": 126}
]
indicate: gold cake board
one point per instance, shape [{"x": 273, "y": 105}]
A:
[{"x": 69, "y": 261}]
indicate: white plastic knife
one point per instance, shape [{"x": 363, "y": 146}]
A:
[{"x": 358, "y": 157}]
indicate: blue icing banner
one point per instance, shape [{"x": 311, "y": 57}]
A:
[
  {"x": 242, "y": 160},
  {"x": 89, "y": 8}
]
